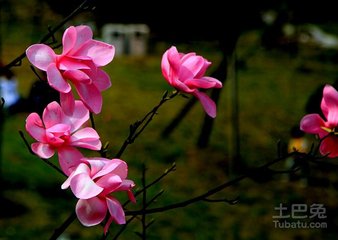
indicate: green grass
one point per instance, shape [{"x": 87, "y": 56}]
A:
[{"x": 272, "y": 97}]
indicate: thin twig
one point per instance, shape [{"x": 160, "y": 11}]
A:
[
  {"x": 231, "y": 202},
  {"x": 212, "y": 191},
  {"x": 139, "y": 126},
  {"x": 122, "y": 228},
  {"x": 190, "y": 201},
  {"x": 153, "y": 199},
  {"x": 92, "y": 121},
  {"x": 45, "y": 160},
  {"x": 58, "y": 231},
  {"x": 144, "y": 203},
  {"x": 165, "y": 173},
  {"x": 83, "y": 6}
]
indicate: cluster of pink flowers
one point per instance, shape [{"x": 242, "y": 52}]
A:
[{"x": 63, "y": 127}]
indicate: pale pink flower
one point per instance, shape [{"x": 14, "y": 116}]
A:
[
  {"x": 79, "y": 63},
  {"x": 326, "y": 129},
  {"x": 94, "y": 181},
  {"x": 185, "y": 72},
  {"x": 62, "y": 133}
]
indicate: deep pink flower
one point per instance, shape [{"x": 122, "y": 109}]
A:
[
  {"x": 79, "y": 63},
  {"x": 326, "y": 129},
  {"x": 185, "y": 72},
  {"x": 59, "y": 132},
  {"x": 94, "y": 181}
]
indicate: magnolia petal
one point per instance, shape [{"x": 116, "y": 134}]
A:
[
  {"x": 69, "y": 159},
  {"x": 74, "y": 63},
  {"x": 91, "y": 212},
  {"x": 35, "y": 127},
  {"x": 100, "y": 79},
  {"x": 131, "y": 196},
  {"x": 174, "y": 60},
  {"x": 80, "y": 168},
  {"x": 324, "y": 108},
  {"x": 90, "y": 96},
  {"x": 96, "y": 165},
  {"x": 170, "y": 65},
  {"x": 68, "y": 39},
  {"x": 216, "y": 82},
  {"x": 107, "y": 225},
  {"x": 201, "y": 73},
  {"x": 67, "y": 102},
  {"x": 102, "y": 166},
  {"x": 77, "y": 76},
  {"x": 84, "y": 187},
  {"x": 207, "y": 103},
  {"x": 180, "y": 86},
  {"x": 329, "y": 146},
  {"x": 43, "y": 150},
  {"x": 41, "y": 56},
  {"x": 185, "y": 56},
  {"x": 165, "y": 67},
  {"x": 190, "y": 67},
  {"x": 84, "y": 34},
  {"x": 312, "y": 123},
  {"x": 205, "y": 82},
  {"x": 74, "y": 37},
  {"x": 109, "y": 182},
  {"x": 121, "y": 168},
  {"x": 330, "y": 101},
  {"x": 202, "y": 69},
  {"x": 59, "y": 128},
  {"x": 86, "y": 138},
  {"x": 79, "y": 116},
  {"x": 53, "y": 140},
  {"x": 56, "y": 80},
  {"x": 101, "y": 53},
  {"x": 116, "y": 210},
  {"x": 115, "y": 166},
  {"x": 52, "y": 114},
  {"x": 127, "y": 185}
]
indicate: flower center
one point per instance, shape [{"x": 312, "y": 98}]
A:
[
  {"x": 330, "y": 130},
  {"x": 58, "y": 135}
]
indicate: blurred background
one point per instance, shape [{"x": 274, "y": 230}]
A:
[{"x": 273, "y": 57}]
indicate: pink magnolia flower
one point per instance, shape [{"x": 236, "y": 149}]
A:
[
  {"x": 93, "y": 182},
  {"x": 79, "y": 63},
  {"x": 325, "y": 128},
  {"x": 57, "y": 131},
  {"x": 185, "y": 72}
]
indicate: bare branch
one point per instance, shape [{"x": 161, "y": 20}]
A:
[
  {"x": 45, "y": 160},
  {"x": 139, "y": 126}
]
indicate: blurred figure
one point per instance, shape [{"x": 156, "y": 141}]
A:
[
  {"x": 298, "y": 141},
  {"x": 9, "y": 91},
  {"x": 41, "y": 94},
  {"x": 315, "y": 99}
]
